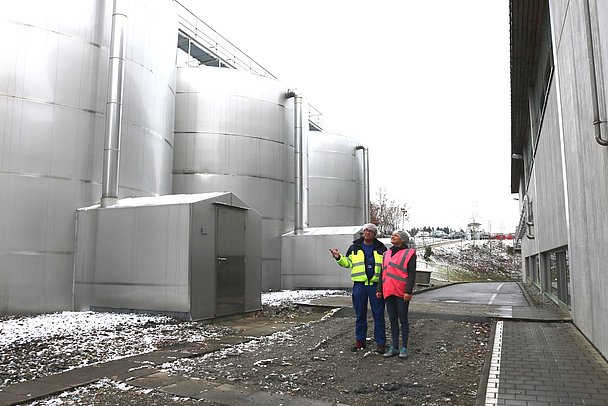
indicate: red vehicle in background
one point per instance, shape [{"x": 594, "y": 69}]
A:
[{"x": 502, "y": 236}]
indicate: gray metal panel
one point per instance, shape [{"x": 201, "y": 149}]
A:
[
  {"x": 203, "y": 256},
  {"x": 586, "y": 166},
  {"x": 253, "y": 276},
  {"x": 53, "y": 73},
  {"x": 232, "y": 132},
  {"x": 307, "y": 262},
  {"x": 257, "y": 190},
  {"x": 550, "y": 214},
  {"x": 230, "y": 261},
  {"x": 335, "y": 181},
  {"x": 202, "y": 260},
  {"x": 134, "y": 258}
]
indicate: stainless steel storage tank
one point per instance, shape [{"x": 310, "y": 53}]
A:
[
  {"x": 336, "y": 181},
  {"x": 53, "y": 85},
  {"x": 234, "y": 132}
]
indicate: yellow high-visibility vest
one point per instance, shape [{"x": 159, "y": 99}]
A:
[{"x": 356, "y": 263}]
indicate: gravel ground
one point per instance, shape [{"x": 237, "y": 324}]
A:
[
  {"x": 312, "y": 360},
  {"x": 315, "y": 361},
  {"x": 30, "y": 357}
]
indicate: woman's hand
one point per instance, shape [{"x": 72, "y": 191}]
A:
[
  {"x": 407, "y": 297},
  {"x": 379, "y": 295}
]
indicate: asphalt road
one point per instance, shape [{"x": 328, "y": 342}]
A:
[{"x": 487, "y": 293}]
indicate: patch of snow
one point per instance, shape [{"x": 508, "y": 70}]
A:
[
  {"x": 23, "y": 329},
  {"x": 290, "y": 296}
]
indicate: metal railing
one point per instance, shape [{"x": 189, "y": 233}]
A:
[
  {"x": 315, "y": 117},
  {"x": 212, "y": 41},
  {"x": 521, "y": 229},
  {"x": 227, "y": 53}
]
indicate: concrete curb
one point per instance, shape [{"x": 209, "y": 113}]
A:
[{"x": 485, "y": 372}]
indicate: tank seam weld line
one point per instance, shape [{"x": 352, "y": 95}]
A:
[
  {"x": 51, "y": 103},
  {"x": 43, "y": 176},
  {"x": 228, "y": 174},
  {"x": 67, "y": 106},
  {"x": 36, "y": 252},
  {"x": 230, "y": 134}
]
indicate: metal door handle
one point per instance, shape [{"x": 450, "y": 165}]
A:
[{"x": 222, "y": 259}]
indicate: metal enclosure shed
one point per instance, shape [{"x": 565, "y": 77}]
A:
[
  {"x": 189, "y": 256},
  {"x": 307, "y": 262}
]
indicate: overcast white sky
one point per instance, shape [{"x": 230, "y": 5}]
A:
[{"x": 423, "y": 84}]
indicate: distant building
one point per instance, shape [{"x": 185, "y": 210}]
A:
[
  {"x": 559, "y": 146},
  {"x": 472, "y": 232}
]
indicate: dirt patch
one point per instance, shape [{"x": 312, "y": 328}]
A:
[
  {"x": 315, "y": 361},
  {"x": 312, "y": 360}
]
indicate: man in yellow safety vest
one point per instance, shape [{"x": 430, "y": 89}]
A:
[{"x": 364, "y": 258}]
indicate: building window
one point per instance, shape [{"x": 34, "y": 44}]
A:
[
  {"x": 532, "y": 267},
  {"x": 559, "y": 276},
  {"x": 539, "y": 90}
]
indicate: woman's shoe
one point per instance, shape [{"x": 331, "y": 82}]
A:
[{"x": 391, "y": 352}]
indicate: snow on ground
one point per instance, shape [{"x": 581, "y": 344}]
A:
[
  {"x": 22, "y": 329},
  {"x": 15, "y": 329},
  {"x": 485, "y": 259},
  {"x": 291, "y": 296},
  {"x": 38, "y": 345}
]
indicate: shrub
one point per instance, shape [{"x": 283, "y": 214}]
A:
[{"x": 428, "y": 251}]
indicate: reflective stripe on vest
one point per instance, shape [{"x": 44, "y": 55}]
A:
[
  {"x": 394, "y": 279},
  {"x": 356, "y": 263}
]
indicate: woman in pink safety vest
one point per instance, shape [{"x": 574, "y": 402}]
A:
[{"x": 396, "y": 285}]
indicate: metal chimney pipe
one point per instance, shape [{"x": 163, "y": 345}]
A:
[
  {"x": 299, "y": 192},
  {"x": 366, "y": 204},
  {"x": 116, "y": 74}
]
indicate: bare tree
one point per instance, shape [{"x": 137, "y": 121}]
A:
[{"x": 387, "y": 214}]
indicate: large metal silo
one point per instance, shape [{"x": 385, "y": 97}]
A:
[
  {"x": 53, "y": 91},
  {"x": 234, "y": 132},
  {"x": 336, "y": 180}
]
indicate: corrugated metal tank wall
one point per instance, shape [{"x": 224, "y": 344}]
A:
[
  {"x": 234, "y": 132},
  {"x": 335, "y": 180},
  {"x": 53, "y": 85}
]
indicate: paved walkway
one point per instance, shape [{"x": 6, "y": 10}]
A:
[{"x": 538, "y": 358}]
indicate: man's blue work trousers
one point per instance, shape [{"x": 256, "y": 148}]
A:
[{"x": 361, "y": 295}]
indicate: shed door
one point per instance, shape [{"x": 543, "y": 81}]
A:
[{"x": 230, "y": 256}]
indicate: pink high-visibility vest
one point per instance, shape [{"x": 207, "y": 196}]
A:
[{"x": 394, "y": 272}]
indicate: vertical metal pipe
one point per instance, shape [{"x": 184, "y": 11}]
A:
[
  {"x": 298, "y": 197},
  {"x": 366, "y": 201},
  {"x": 116, "y": 73},
  {"x": 366, "y": 205},
  {"x": 597, "y": 122}
]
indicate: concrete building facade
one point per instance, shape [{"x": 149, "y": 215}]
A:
[{"x": 559, "y": 146}]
